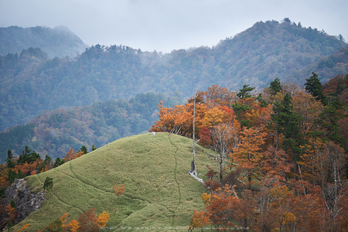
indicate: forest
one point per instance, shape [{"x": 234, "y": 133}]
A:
[
  {"x": 32, "y": 82},
  {"x": 281, "y": 162},
  {"x": 278, "y": 136},
  {"x": 53, "y": 133}
]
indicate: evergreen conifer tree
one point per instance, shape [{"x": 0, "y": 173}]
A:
[
  {"x": 275, "y": 86},
  {"x": 287, "y": 122},
  {"x": 9, "y": 161},
  {"x": 314, "y": 87},
  {"x": 244, "y": 92}
]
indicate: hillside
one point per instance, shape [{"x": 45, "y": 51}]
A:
[
  {"x": 326, "y": 67},
  {"x": 53, "y": 133},
  {"x": 153, "y": 169},
  {"x": 31, "y": 83},
  {"x": 56, "y": 42}
]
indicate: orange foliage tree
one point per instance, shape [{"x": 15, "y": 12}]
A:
[
  {"x": 249, "y": 154},
  {"x": 312, "y": 198},
  {"x": 24, "y": 227},
  {"x": 72, "y": 226},
  {"x": 70, "y": 155},
  {"x": 119, "y": 190},
  {"x": 11, "y": 212}
]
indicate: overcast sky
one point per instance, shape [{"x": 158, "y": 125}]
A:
[{"x": 164, "y": 25}]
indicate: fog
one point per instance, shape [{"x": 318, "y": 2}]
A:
[{"x": 164, "y": 25}]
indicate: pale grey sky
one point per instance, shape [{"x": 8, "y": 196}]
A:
[{"x": 164, "y": 25}]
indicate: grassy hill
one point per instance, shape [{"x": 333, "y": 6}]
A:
[{"x": 153, "y": 169}]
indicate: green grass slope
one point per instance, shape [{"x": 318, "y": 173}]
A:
[{"x": 159, "y": 192}]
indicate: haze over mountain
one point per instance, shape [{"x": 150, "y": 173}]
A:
[
  {"x": 32, "y": 83},
  {"x": 56, "y": 42}
]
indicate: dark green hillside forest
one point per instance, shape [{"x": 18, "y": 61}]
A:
[
  {"x": 54, "y": 132},
  {"x": 31, "y": 83},
  {"x": 56, "y": 42}
]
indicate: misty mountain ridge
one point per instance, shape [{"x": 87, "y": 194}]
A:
[
  {"x": 56, "y": 42},
  {"x": 32, "y": 83}
]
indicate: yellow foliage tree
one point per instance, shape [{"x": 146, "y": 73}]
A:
[
  {"x": 103, "y": 219},
  {"x": 73, "y": 225}
]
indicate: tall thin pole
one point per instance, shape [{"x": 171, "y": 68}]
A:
[{"x": 193, "y": 165}]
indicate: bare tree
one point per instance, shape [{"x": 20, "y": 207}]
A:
[
  {"x": 222, "y": 136},
  {"x": 193, "y": 171}
]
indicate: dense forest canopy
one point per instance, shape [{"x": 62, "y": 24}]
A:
[
  {"x": 53, "y": 133},
  {"x": 31, "y": 82}
]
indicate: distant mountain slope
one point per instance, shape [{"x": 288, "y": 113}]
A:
[
  {"x": 326, "y": 67},
  {"x": 59, "y": 41},
  {"x": 272, "y": 49},
  {"x": 54, "y": 132},
  {"x": 158, "y": 191},
  {"x": 30, "y": 83}
]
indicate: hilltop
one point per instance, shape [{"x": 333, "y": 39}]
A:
[
  {"x": 153, "y": 169},
  {"x": 56, "y": 42}
]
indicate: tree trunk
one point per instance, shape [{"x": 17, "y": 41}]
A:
[{"x": 193, "y": 164}]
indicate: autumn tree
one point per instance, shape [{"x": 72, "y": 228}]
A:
[
  {"x": 224, "y": 209},
  {"x": 55, "y": 226},
  {"x": 198, "y": 220},
  {"x": 204, "y": 136},
  {"x": 72, "y": 226},
  {"x": 70, "y": 155},
  {"x": 103, "y": 219},
  {"x": 275, "y": 164},
  {"x": 309, "y": 109},
  {"x": 11, "y": 212},
  {"x": 274, "y": 205},
  {"x": 24, "y": 227},
  {"x": 88, "y": 221},
  {"x": 119, "y": 190},
  {"x": 222, "y": 137},
  {"x": 249, "y": 154}
]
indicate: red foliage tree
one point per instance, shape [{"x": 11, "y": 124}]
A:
[
  {"x": 204, "y": 136},
  {"x": 88, "y": 221}
]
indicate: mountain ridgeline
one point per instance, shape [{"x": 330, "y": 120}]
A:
[
  {"x": 56, "y": 42},
  {"x": 31, "y": 82}
]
